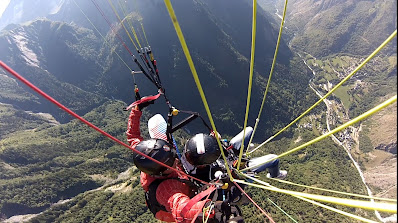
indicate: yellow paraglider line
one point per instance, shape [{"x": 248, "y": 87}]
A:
[
  {"x": 270, "y": 75},
  {"x": 379, "y": 206},
  {"x": 332, "y": 90},
  {"x": 371, "y": 205},
  {"x": 314, "y": 202},
  {"x": 195, "y": 76},
  {"x": 343, "y": 126},
  {"x": 143, "y": 31},
  {"x": 387, "y": 207},
  {"x": 121, "y": 22},
  {"x": 124, "y": 11},
  {"x": 334, "y": 191},
  {"x": 249, "y": 88},
  {"x": 121, "y": 59}
]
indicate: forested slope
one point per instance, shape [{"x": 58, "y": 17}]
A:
[{"x": 63, "y": 171}]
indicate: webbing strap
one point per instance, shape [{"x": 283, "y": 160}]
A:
[
  {"x": 187, "y": 120},
  {"x": 196, "y": 199},
  {"x": 145, "y": 99}
]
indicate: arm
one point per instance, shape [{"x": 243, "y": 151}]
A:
[
  {"x": 133, "y": 127},
  {"x": 173, "y": 194}
]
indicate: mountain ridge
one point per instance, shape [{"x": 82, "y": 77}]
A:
[
  {"x": 224, "y": 70},
  {"x": 355, "y": 27},
  {"x": 67, "y": 160}
]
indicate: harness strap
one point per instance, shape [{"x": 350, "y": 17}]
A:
[
  {"x": 150, "y": 195},
  {"x": 198, "y": 115},
  {"x": 196, "y": 199},
  {"x": 150, "y": 198}
]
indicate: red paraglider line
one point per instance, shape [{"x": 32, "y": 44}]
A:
[
  {"x": 46, "y": 96},
  {"x": 112, "y": 28},
  {"x": 265, "y": 213},
  {"x": 52, "y": 100}
]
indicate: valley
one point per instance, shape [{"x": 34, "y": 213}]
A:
[
  {"x": 370, "y": 156},
  {"x": 54, "y": 169},
  {"x": 378, "y": 178}
]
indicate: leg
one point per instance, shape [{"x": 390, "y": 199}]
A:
[
  {"x": 236, "y": 141},
  {"x": 272, "y": 166}
]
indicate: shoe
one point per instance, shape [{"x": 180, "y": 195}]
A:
[{"x": 282, "y": 175}]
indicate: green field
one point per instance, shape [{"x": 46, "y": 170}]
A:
[{"x": 342, "y": 94}]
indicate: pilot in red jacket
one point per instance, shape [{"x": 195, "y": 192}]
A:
[{"x": 167, "y": 191}]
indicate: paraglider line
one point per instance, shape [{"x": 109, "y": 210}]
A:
[
  {"x": 52, "y": 100},
  {"x": 255, "y": 204}
]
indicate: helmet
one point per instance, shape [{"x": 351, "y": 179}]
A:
[
  {"x": 158, "y": 149},
  {"x": 202, "y": 150}
]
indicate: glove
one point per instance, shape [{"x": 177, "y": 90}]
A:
[
  {"x": 145, "y": 104},
  {"x": 137, "y": 95}
]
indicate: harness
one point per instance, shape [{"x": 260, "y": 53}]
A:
[
  {"x": 150, "y": 198},
  {"x": 150, "y": 195}
]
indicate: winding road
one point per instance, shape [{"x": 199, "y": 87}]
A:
[{"x": 328, "y": 104}]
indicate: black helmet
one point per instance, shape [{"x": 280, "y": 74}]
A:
[
  {"x": 158, "y": 149},
  {"x": 202, "y": 150}
]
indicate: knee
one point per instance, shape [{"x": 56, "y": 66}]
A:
[{"x": 274, "y": 162}]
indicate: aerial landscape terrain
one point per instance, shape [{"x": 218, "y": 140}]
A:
[{"x": 338, "y": 55}]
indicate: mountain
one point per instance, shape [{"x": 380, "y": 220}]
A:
[
  {"x": 334, "y": 37},
  {"x": 327, "y": 27},
  {"x": 53, "y": 172},
  {"x": 44, "y": 51},
  {"x": 48, "y": 162},
  {"x": 54, "y": 169},
  {"x": 24, "y": 11},
  {"x": 222, "y": 60}
]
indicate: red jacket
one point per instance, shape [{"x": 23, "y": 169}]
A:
[{"x": 171, "y": 193}]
